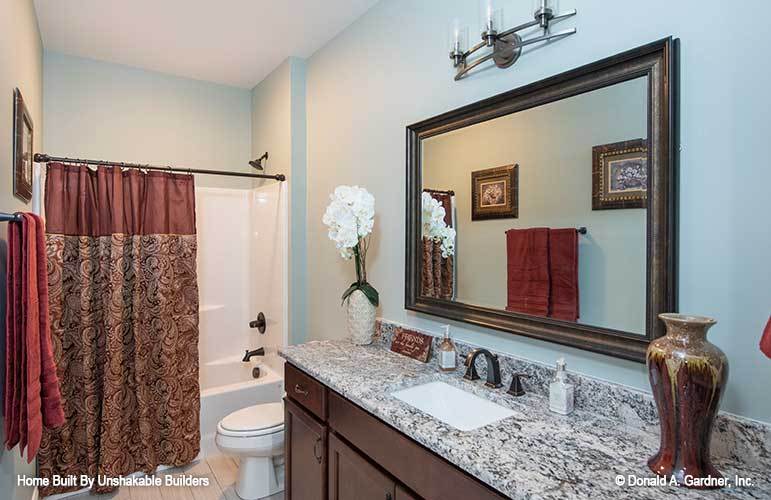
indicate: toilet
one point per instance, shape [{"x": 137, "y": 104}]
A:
[{"x": 256, "y": 436}]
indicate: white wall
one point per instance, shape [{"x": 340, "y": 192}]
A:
[
  {"x": 390, "y": 69},
  {"x": 21, "y": 65},
  {"x": 107, "y": 111},
  {"x": 278, "y": 126},
  {"x": 553, "y": 146}
]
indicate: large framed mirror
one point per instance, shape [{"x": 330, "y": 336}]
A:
[{"x": 549, "y": 211}]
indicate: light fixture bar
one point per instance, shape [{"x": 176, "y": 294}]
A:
[
  {"x": 507, "y": 45},
  {"x": 536, "y": 22},
  {"x": 543, "y": 38}
]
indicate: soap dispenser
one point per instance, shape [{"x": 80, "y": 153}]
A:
[
  {"x": 560, "y": 391},
  {"x": 447, "y": 354}
]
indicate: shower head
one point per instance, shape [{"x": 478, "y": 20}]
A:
[{"x": 258, "y": 162}]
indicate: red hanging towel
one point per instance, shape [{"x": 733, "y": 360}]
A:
[
  {"x": 51, "y": 398},
  {"x": 14, "y": 325},
  {"x": 44, "y": 402},
  {"x": 31, "y": 343},
  {"x": 33, "y": 397},
  {"x": 563, "y": 274},
  {"x": 527, "y": 255},
  {"x": 765, "y": 340}
]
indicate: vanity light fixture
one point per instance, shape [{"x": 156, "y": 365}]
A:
[{"x": 506, "y": 44}]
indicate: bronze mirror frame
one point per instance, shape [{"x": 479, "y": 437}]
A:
[{"x": 657, "y": 61}]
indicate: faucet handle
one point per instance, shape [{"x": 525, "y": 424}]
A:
[
  {"x": 259, "y": 323},
  {"x": 471, "y": 369},
  {"x": 516, "y": 388}
]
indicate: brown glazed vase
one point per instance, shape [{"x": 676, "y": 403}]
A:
[{"x": 687, "y": 375}]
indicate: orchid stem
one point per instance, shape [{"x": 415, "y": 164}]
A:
[{"x": 358, "y": 264}]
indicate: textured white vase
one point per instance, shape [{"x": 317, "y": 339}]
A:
[{"x": 361, "y": 318}]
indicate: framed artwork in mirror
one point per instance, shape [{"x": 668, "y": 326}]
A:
[
  {"x": 495, "y": 193},
  {"x": 620, "y": 175},
  {"x": 22, "y": 149}
]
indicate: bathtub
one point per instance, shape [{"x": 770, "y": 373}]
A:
[{"x": 227, "y": 385}]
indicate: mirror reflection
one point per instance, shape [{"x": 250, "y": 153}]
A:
[{"x": 543, "y": 211}]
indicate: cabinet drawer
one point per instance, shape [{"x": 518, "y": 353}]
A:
[
  {"x": 424, "y": 472},
  {"x": 307, "y": 392}
]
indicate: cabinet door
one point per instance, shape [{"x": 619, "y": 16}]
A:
[
  {"x": 305, "y": 455},
  {"x": 402, "y": 494},
  {"x": 352, "y": 477}
]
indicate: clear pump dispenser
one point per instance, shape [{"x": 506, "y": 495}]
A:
[
  {"x": 447, "y": 353},
  {"x": 560, "y": 391}
]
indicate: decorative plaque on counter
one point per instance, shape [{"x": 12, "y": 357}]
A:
[{"x": 411, "y": 343}]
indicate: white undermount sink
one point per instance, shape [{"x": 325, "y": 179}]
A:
[{"x": 453, "y": 406}]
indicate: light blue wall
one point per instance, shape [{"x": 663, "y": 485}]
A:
[
  {"x": 108, "y": 111},
  {"x": 390, "y": 68},
  {"x": 278, "y": 126},
  {"x": 21, "y": 66},
  {"x": 298, "y": 272}
]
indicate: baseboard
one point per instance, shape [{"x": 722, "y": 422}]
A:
[{"x": 59, "y": 496}]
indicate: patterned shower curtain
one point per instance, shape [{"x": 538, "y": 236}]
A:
[
  {"x": 438, "y": 272},
  {"x": 124, "y": 321}
]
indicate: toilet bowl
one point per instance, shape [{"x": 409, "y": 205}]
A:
[{"x": 256, "y": 436}]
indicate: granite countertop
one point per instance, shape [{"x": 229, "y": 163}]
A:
[{"x": 534, "y": 454}]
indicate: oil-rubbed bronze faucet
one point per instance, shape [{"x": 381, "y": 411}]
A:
[
  {"x": 256, "y": 352},
  {"x": 493, "y": 368}
]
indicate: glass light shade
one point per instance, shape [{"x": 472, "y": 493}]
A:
[
  {"x": 549, "y": 4},
  {"x": 490, "y": 16},
  {"x": 457, "y": 37}
]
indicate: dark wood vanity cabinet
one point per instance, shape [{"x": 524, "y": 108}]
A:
[
  {"x": 402, "y": 494},
  {"x": 307, "y": 391},
  {"x": 352, "y": 477},
  {"x": 305, "y": 456},
  {"x": 336, "y": 450}
]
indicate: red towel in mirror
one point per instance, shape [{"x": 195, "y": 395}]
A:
[
  {"x": 563, "y": 274},
  {"x": 527, "y": 266},
  {"x": 765, "y": 340}
]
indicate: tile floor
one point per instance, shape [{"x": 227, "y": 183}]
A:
[{"x": 220, "y": 470}]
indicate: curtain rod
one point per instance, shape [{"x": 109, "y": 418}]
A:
[
  {"x": 44, "y": 158},
  {"x": 4, "y": 217},
  {"x": 439, "y": 191}
]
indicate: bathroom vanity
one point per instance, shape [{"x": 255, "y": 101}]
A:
[
  {"x": 334, "y": 450},
  {"x": 350, "y": 433}
]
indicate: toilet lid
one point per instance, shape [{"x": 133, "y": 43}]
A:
[{"x": 255, "y": 418}]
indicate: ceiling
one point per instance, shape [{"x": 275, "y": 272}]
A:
[{"x": 234, "y": 42}]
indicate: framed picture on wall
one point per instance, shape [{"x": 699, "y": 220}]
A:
[
  {"x": 495, "y": 193},
  {"x": 22, "y": 148},
  {"x": 620, "y": 175}
]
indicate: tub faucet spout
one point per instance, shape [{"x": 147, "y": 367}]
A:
[{"x": 256, "y": 352}]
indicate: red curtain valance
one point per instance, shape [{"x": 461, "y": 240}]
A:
[{"x": 85, "y": 202}]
